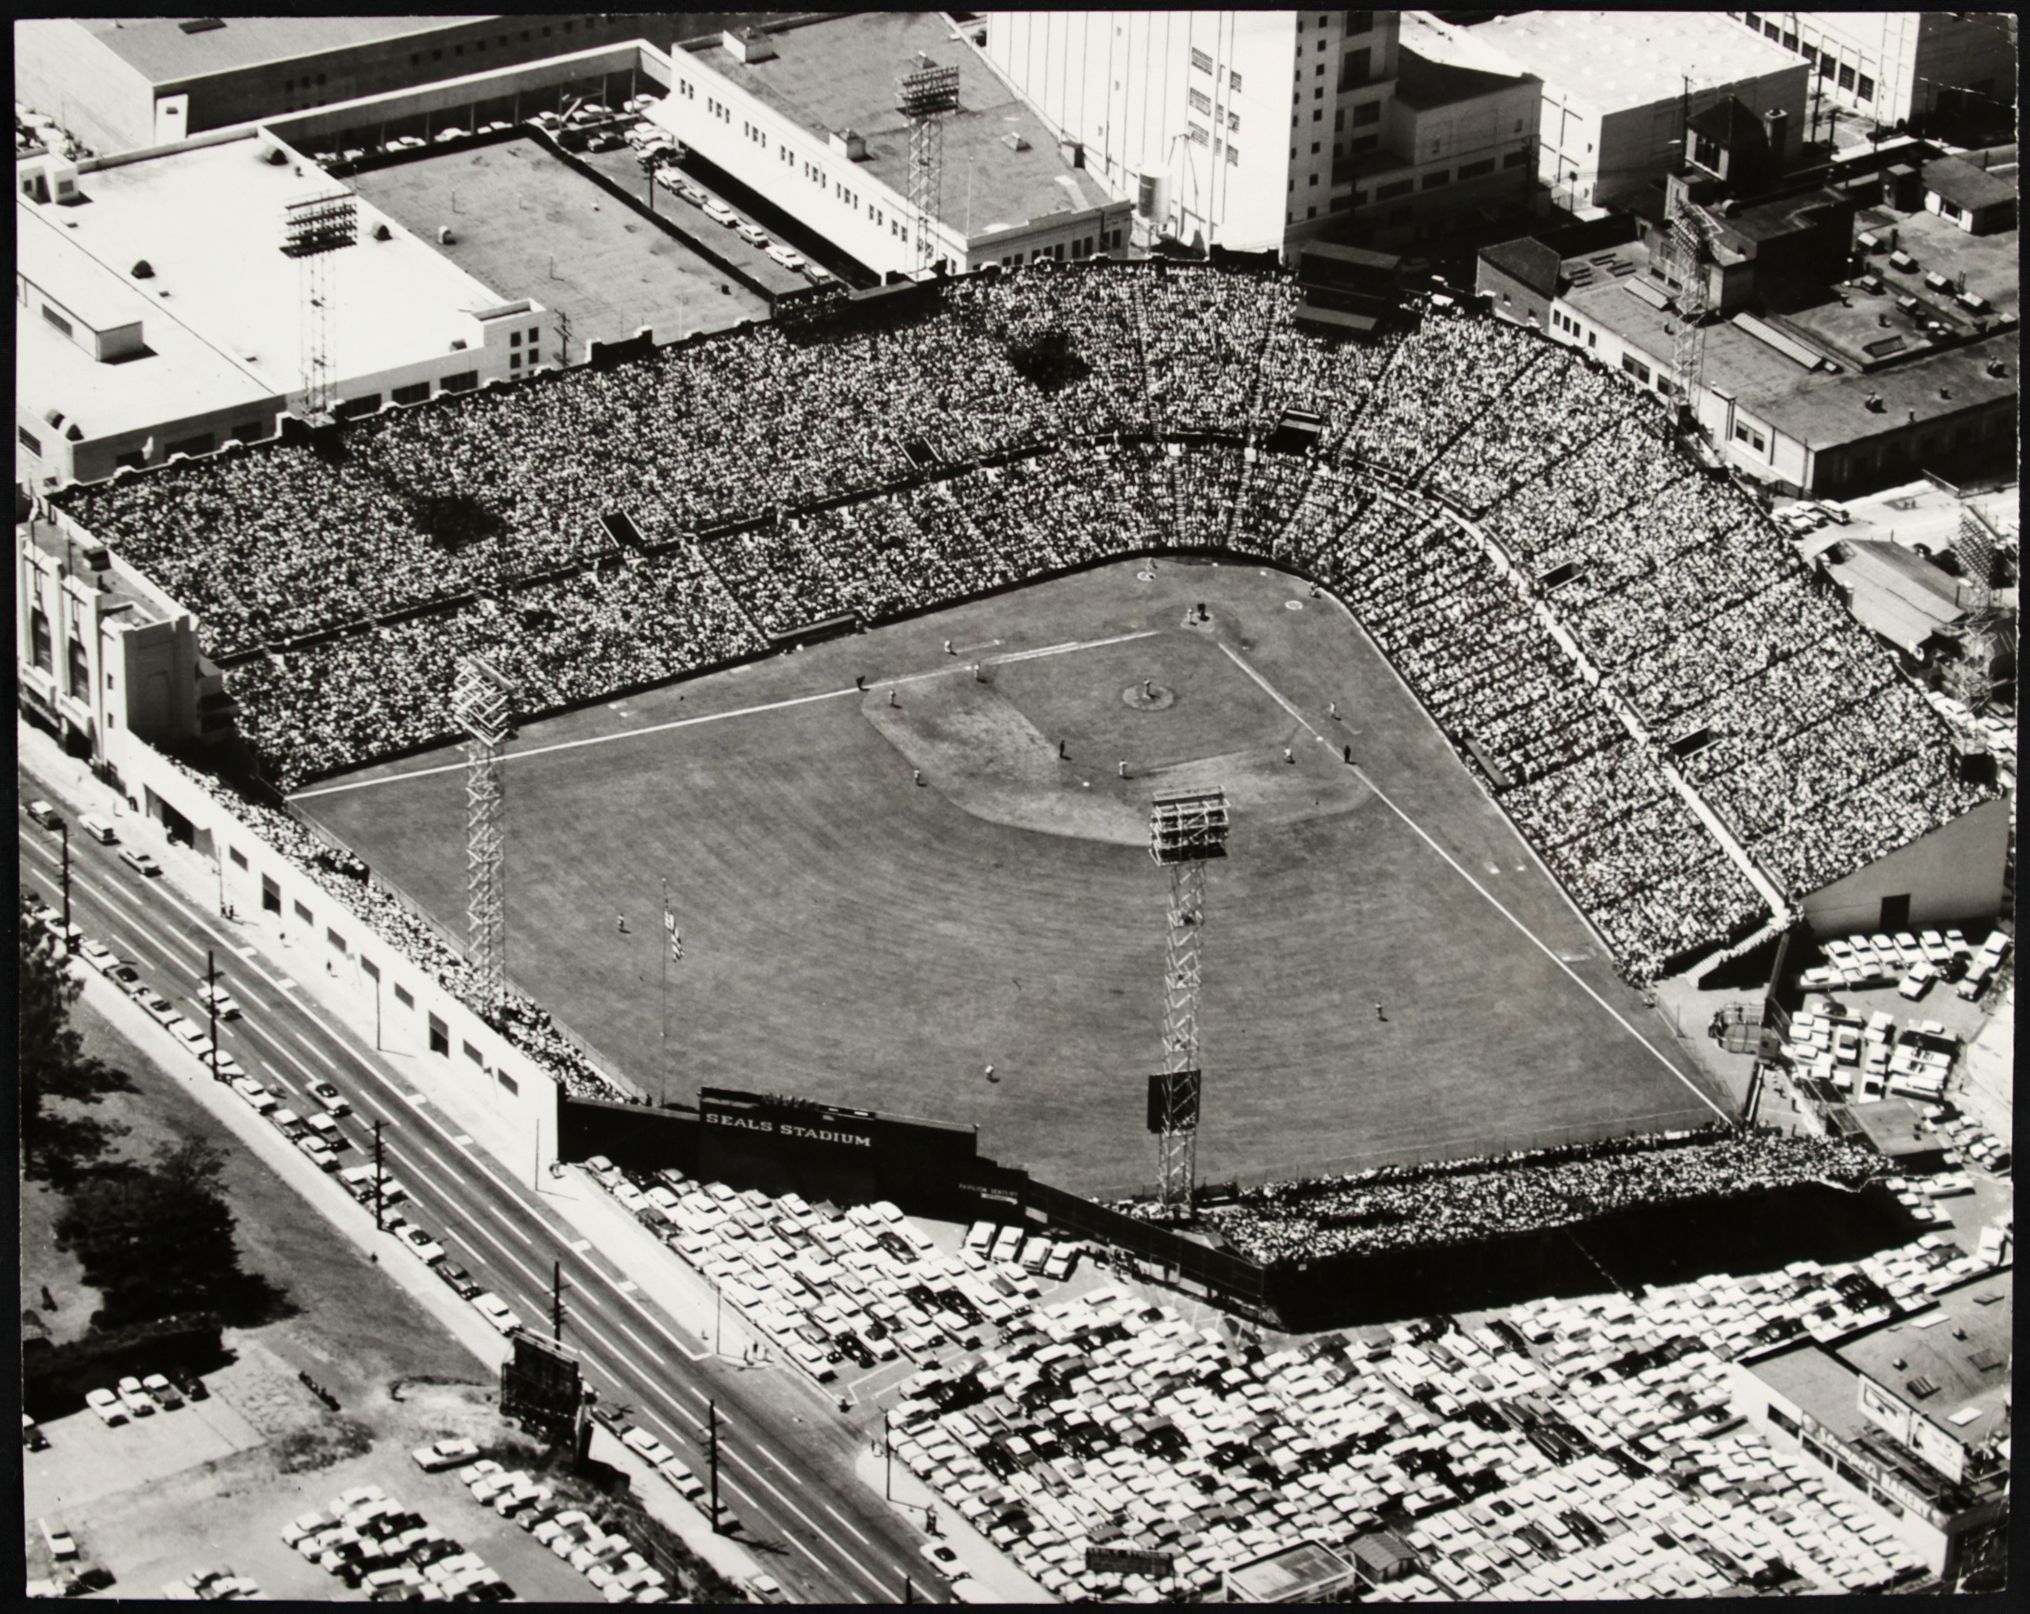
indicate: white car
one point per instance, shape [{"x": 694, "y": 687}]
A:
[
  {"x": 1918, "y": 981},
  {"x": 158, "y": 1007},
  {"x": 788, "y": 257},
  {"x": 107, "y": 1405},
  {"x": 255, "y": 1094},
  {"x": 444, "y": 1454},
  {"x": 640, "y": 1441},
  {"x": 138, "y": 1402},
  {"x": 720, "y": 213},
  {"x": 495, "y": 1311},
  {"x": 166, "y": 1395},
  {"x": 304, "y": 1526},
  {"x": 330, "y": 1097},
  {"x": 683, "y": 1481},
  {"x": 420, "y": 1244},
  {"x": 140, "y": 862},
  {"x": 945, "y": 1560},
  {"x": 752, "y": 234},
  {"x": 221, "y": 1002},
  {"x": 819, "y": 275},
  {"x": 317, "y": 1151},
  {"x": 97, "y": 954}
]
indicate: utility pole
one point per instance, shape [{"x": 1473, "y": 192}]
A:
[
  {"x": 908, "y": 1590},
  {"x": 888, "y": 1453},
  {"x": 211, "y": 1003},
  {"x": 379, "y": 1226},
  {"x": 712, "y": 1460},
  {"x": 63, "y": 824},
  {"x": 563, "y": 339},
  {"x": 557, "y": 1301}
]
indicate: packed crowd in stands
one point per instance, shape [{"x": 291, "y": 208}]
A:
[
  {"x": 998, "y": 428},
  {"x": 1484, "y": 1197}
]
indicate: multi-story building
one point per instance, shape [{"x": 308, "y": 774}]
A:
[
  {"x": 806, "y": 114},
  {"x": 123, "y": 83},
  {"x": 158, "y": 314},
  {"x": 1619, "y": 88},
  {"x": 1895, "y": 67},
  {"x": 101, "y": 655},
  {"x": 1184, "y": 114},
  {"x": 1910, "y": 1418}
]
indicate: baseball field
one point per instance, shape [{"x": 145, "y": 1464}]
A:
[{"x": 884, "y": 892}]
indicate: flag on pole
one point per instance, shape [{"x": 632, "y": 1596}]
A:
[{"x": 676, "y": 937}]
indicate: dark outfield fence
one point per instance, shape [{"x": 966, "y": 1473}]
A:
[{"x": 856, "y": 1157}]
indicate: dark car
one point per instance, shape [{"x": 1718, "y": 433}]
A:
[{"x": 459, "y": 1279}]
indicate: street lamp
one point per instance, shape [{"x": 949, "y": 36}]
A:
[{"x": 63, "y": 824}]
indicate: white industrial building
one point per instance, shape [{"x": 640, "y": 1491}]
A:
[
  {"x": 1620, "y": 86},
  {"x": 156, "y": 312},
  {"x": 1255, "y": 129},
  {"x": 1893, "y": 66}
]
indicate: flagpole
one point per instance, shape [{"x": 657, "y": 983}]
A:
[{"x": 663, "y": 1064}]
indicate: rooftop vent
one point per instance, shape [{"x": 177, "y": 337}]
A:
[
  {"x": 748, "y": 46},
  {"x": 274, "y": 156},
  {"x": 1015, "y": 140},
  {"x": 143, "y": 269},
  {"x": 201, "y": 25},
  {"x": 1873, "y": 403},
  {"x": 382, "y": 232},
  {"x": 850, "y": 144}
]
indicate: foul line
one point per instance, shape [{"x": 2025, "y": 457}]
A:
[
  {"x": 720, "y": 717},
  {"x": 1492, "y": 901}
]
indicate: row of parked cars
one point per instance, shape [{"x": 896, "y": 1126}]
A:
[
  {"x": 100, "y": 829},
  {"x": 211, "y": 1586},
  {"x": 863, "y": 1285},
  {"x": 1912, "y": 962},
  {"x": 373, "y": 1543},
  {"x": 606, "y": 1558},
  {"x": 142, "y": 1397}
]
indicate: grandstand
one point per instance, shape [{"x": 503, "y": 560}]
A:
[{"x": 1570, "y": 597}]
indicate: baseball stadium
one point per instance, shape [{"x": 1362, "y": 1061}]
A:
[{"x": 846, "y": 654}]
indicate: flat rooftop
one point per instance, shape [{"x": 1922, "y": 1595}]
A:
[
  {"x": 1962, "y": 1350},
  {"x": 1295, "y": 1574},
  {"x": 117, "y": 588},
  {"x": 179, "y": 376},
  {"x": 1617, "y": 59},
  {"x": 162, "y": 51},
  {"x": 209, "y": 222},
  {"x": 842, "y": 73}
]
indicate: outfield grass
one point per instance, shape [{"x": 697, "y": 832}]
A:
[{"x": 858, "y": 938}]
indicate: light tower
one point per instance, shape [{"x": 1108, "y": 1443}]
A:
[
  {"x": 482, "y": 702},
  {"x": 928, "y": 94},
  {"x": 1187, "y": 829},
  {"x": 312, "y": 231}
]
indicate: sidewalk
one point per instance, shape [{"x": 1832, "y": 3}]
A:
[{"x": 991, "y": 1570}]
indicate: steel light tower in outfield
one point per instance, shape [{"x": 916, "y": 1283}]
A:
[
  {"x": 312, "y": 231},
  {"x": 1187, "y": 829},
  {"x": 482, "y": 702},
  {"x": 928, "y": 95}
]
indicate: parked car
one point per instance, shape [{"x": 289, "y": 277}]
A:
[
  {"x": 108, "y": 1406},
  {"x": 719, "y": 213},
  {"x": 420, "y": 1244},
  {"x": 138, "y": 1402},
  {"x": 165, "y": 1394},
  {"x": 818, "y": 274},
  {"x": 139, "y": 861},
  {"x": 97, "y": 954},
  {"x": 126, "y": 975},
  {"x": 158, "y": 1007},
  {"x": 255, "y": 1094},
  {"x": 459, "y": 1279},
  {"x": 496, "y": 1312},
  {"x": 752, "y": 234},
  {"x": 44, "y": 814},
  {"x": 317, "y": 1151},
  {"x": 443, "y": 1454}
]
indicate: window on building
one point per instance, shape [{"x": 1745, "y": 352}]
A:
[
  {"x": 1367, "y": 112},
  {"x": 1233, "y": 121},
  {"x": 1394, "y": 188},
  {"x": 473, "y": 1054},
  {"x": 239, "y": 858},
  {"x": 1201, "y": 101},
  {"x": 1356, "y": 67},
  {"x": 1826, "y": 65},
  {"x": 1201, "y": 61},
  {"x": 463, "y": 381},
  {"x": 1233, "y": 154},
  {"x": 1846, "y": 77},
  {"x": 1475, "y": 170},
  {"x": 1771, "y": 32},
  {"x": 1789, "y": 40},
  {"x": 1753, "y": 19},
  {"x": 250, "y": 431},
  {"x": 1437, "y": 179},
  {"x": 514, "y": 361},
  {"x": 1864, "y": 88},
  {"x": 1516, "y": 158},
  {"x": 27, "y": 439},
  {"x": 404, "y": 996},
  {"x": 1359, "y": 22},
  {"x": 39, "y": 641},
  {"x": 56, "y": 319},
  {"x": 1361, "y": 143},
  {"x": 1199, "y": 136},
  {"x": 440, "y": 1033},
  {"x": 1811, "y": 54},
  {"x": 1233, "y": 82},
  {"x": 1635, "y": 367}
]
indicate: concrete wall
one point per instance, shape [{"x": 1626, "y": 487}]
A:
[
  {"x": 334, "y": 936},
  {"x": 1950, "y": 875}
]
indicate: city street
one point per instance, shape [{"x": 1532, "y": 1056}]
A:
[{"x": 786, "y": 1470}]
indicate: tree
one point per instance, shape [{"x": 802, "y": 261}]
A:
[
  {"x": 156, "y": 1239},
  {"x": 52, "y": 1063}
]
